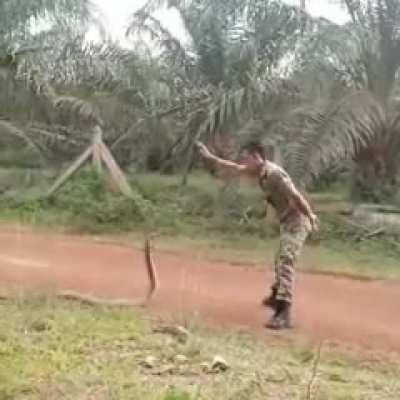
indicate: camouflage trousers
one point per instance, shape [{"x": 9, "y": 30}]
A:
[{"x": 293, "y": 234}]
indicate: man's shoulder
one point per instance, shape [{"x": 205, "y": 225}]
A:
[
  {"x": 281, "y": 180},
  {"x": 277, "y": 172}
]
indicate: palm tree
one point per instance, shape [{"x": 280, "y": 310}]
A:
[
  {"x": 25, "y": 36},
  {"x": 19, "y": 20},
  {"x": 23, "y": 25},
  {"x": 364, "y": 55},
  {"x": 231, "y": 68}
]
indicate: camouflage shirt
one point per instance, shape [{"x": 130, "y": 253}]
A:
[{"x": 279, "y": 190}]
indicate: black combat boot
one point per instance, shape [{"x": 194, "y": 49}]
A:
[
  {"x": 281, "y": 318},
  {"x": 270, "y": 301}
]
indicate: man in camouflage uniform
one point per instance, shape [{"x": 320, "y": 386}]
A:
[{"x": 295, "y": 216}]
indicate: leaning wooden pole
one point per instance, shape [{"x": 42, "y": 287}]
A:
[
  {"x": 70, "y": 171},
  {"x": 100, "y": 155},
  {"x": 96, "y": 146},
  {"x": 116, "y": 173}
]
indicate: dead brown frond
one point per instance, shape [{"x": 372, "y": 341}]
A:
[{"x": 81, "y": 109}]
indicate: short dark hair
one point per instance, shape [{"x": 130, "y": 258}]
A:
[{"x": 254, "y": 146}]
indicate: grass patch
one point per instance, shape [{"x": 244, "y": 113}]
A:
[
  {"x": 59, "y": 350},
  {"x": 358, "y": 261}
]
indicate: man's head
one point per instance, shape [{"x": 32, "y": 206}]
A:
[{"x": 253, "y": 156}]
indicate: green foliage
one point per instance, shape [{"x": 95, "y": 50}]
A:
[
  {"x": 203, "y": 206},
  {"x": 176, "y": 394},
  {"x": 318, "y": 91},
  {"x": 159, "y": 203},
  {"x": 384, "y": 193},
  {"x": 362, "y": 55},
  {"x": 89, "y": 200},
  {"x": 23, "y": 24}
]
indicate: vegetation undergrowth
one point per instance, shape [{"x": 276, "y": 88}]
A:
[{"x": 53, "y": 349}]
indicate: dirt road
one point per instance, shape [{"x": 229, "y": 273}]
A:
[{"x": 363, "y": 314}]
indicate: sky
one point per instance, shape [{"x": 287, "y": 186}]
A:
[{"x": 116, "y": 14}]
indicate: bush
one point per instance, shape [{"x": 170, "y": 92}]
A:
[
  {"x": 88, "y": 199},
  {"x": 86, "y": 203}
]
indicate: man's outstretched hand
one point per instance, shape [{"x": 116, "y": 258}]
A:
[{"x": 203, "y": 150}]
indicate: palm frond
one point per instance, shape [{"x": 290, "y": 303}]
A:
[
  {"x": 130, "y": 132},
  {"x": 79, "y": 108},
  {"x": 151, "y": 6},
  {"x": 227, "y": 37},
  {"x": 173, "y": 50},
  {"x": 248, "y": 102},
  {"x": 364, "y": 52},
  {"x": 17, "y": 18},
  {"x": 82, "y": 110},
  {"x": 317, "y": 137},
  {"x": 11, "y": 129}
]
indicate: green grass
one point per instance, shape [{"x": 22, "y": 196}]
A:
[
  {"x": 59, "y": 350},
  {"x": 226, "y": 225},
  {"x": 356, "y": 261}
]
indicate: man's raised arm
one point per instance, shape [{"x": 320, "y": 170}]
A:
[{"x": 226, "y": 164}]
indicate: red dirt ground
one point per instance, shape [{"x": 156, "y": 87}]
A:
[{"x": 361, "y": 314}]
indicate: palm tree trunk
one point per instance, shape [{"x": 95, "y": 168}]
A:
[
  {"x": 376, "y": 175},
  {"x": 7, "y": 72}
]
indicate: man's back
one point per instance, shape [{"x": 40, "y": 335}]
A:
[{"x": 279, "y": 189}]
